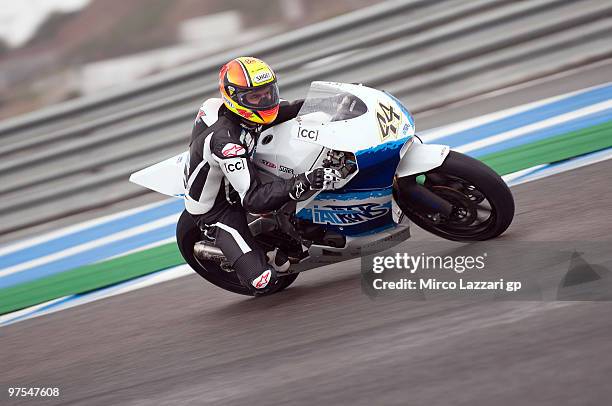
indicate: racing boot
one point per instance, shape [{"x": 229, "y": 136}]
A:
[{"x": 278, "y": 260}]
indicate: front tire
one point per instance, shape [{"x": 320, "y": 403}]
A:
[
  {"x": 187, "y": 234},
  {"x": 483, "y": 206}
]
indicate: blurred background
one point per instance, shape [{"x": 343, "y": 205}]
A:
[{"x": 55, "y": 50}]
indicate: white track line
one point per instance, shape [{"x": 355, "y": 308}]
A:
[
  {"x": 517, "y": 132},
  {"x": 544, "y": 171},
  {"x": 511, "y": 177},
  {"x": 139, "y": 283},
  {"x": 24, "y": 312},
  {"x": 164, "y": 221},
  {"x": 75, "y": 228},
  {"x": 464, "y": 125},
  {"x": 143, "y": 248}
]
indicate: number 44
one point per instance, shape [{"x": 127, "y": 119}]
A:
[{"x": 387, "y": 121}]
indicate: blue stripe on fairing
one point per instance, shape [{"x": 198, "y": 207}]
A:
[
  {"x": 88, "y": 257},
  {"x": 559, "y": 129},
  {"x": 353, "y": 195},
  {"x": 92, "y": 233},
  {"x": 546, "y": 111},
  {"x": 377, "y": 165}
]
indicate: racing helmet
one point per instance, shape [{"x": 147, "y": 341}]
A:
[{"x": 248, "y": 88}]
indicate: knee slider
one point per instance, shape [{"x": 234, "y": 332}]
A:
[
  {"x": 255, "y": 273},
  {"x": 264, "y": 282}
]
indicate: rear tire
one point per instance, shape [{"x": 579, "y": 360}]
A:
[
  {"x": 470, "y": 178},
  {"x": 187, "y": 234}
]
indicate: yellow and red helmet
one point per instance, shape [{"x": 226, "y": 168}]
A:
[{"x": 248, "y": 88}]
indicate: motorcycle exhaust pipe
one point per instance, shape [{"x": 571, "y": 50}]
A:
[
  {"x": 424, "y": 198},
  {"x": 208, "y": 252}
]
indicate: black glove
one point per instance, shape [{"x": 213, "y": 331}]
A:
[{"x": 317, "y": 179}]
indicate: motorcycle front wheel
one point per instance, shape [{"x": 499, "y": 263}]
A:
[
  {"x": 482, "y": 206},
  {"x": 187, "y": 234}
]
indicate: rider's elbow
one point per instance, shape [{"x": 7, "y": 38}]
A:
[{"x": 253, "y": 205}]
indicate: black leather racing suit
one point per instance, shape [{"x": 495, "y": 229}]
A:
[{"x": 222, "y": 185}]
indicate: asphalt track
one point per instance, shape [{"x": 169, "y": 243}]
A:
[{"x": 324, "y": 342}]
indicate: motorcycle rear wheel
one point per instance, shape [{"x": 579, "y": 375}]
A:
[
  {"x": 473, "y": 189},
  {"x": 187, "y": 234}
]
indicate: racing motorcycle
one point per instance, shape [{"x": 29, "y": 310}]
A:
[{"x": 390, "y": 177}]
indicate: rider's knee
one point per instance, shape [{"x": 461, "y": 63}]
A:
[
  {"x": 255, "y": 274},
  {"x": 263, "y": 283}
]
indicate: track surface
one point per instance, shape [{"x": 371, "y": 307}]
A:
[{"x": 323, "y": 341}]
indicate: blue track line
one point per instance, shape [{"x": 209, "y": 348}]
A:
[
  {"x": 88, "y": 257},
  {"x": 522, "y": 119},
  {"x": 91, "y": 234}
]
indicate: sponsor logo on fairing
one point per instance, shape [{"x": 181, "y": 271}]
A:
[
  {"x": 268, "y": 164},
  {"x": 349, "y": 214},
  {"x": 405, "y": 129},
  {"x": 283, "y": 168},
  {"x": 307, "y": 134},
  {"x": 262, "y": 280},
  {"x": 388, "y": 122},
  {"x": 231, "y": 150}
]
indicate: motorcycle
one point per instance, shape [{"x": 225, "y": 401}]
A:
[{"x": 390, "y": 177}]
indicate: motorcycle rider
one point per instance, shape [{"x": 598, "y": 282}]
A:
[{"x": 222, "y": 184}]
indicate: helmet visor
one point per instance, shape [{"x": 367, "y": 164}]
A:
[{"x": 264, "y": 97}]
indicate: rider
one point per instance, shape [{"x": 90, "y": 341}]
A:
[{"x": 220, "y": 168}]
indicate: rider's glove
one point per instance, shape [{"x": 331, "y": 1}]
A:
[{"x": 317, "y": 179}]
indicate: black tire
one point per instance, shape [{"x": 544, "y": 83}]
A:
[
  {"x": 187, "y": 234},
  {"x": 460, "y": 168}
]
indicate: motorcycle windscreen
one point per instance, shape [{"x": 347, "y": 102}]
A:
[{"x": 331, "y": 104}]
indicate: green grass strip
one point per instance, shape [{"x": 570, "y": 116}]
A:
[
  {"x": 95, "y": 276},
  {"x": 550, "y": 150},
  {"x": 89, "y": 277}
]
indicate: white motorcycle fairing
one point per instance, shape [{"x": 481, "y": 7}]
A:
[
  {"x": 366, "y": 123},
  {"x": 421, "y": 158}
]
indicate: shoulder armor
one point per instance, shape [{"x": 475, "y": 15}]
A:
[
  {"x": 224, "y": 145},
  {"x": 209, "y": 111}
]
